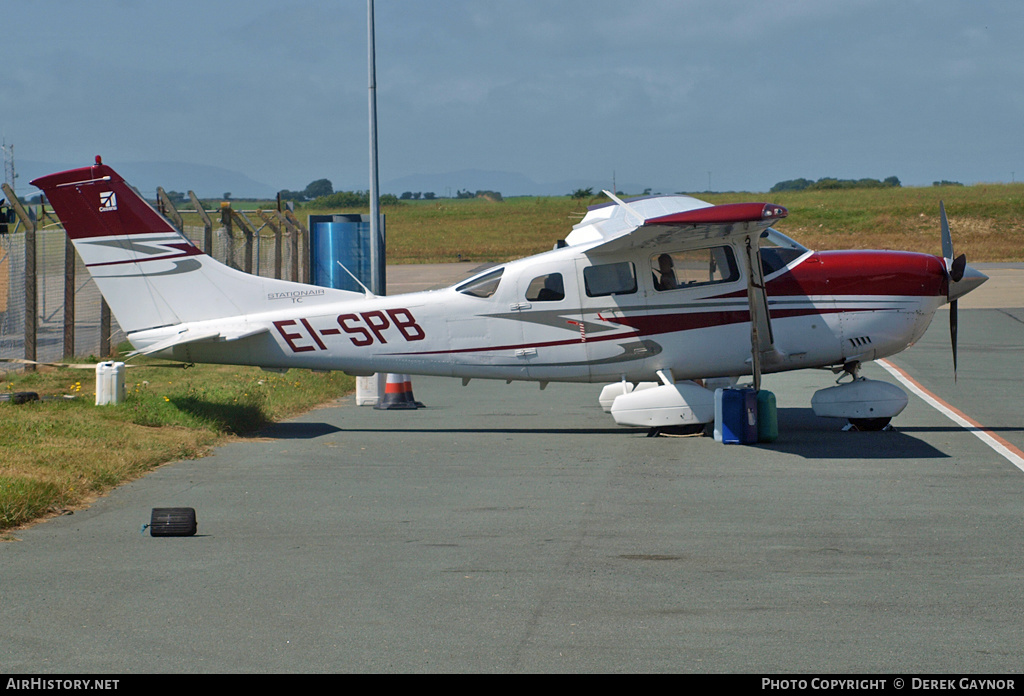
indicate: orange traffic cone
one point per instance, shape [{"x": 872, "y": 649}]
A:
[{"x": 398, "y": 394}]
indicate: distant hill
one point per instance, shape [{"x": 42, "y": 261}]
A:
[
  {"x": 213, "y": 182},
  {"x": 206, "y": 181}
]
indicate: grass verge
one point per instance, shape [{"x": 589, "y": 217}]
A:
[{"x": 59, "y": 452}]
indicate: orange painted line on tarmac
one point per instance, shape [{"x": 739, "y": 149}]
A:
[{"x": 997, "y": 443}]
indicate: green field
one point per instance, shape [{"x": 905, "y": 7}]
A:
[{"x": 987, "y": 222}]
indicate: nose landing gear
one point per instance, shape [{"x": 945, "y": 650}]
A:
[{"x": 867, "y": 404}]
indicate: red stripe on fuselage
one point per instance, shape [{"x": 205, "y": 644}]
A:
[
  {"x": 653, "y": 324},
  {"x": 647, "y": 325},
  {"x": 822, "y": 274}
]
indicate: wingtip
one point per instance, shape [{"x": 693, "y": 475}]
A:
[{"x": 724, "y": 214}]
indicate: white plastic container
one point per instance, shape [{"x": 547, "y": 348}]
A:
[
  {"x": 370, "y": 390},
  {"x": 109, "y": 383}
]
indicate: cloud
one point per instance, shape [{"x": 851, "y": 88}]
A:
[{"x": 552, "y": 90}]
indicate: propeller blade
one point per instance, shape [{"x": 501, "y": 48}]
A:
[
  {"x": 954, "y": 267},
  {"x": 952, "y": 332},
  {"x": 947, "y": 238},
  {"x": 957, "y": 268}
]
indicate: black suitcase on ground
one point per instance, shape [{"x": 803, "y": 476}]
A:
[{"x": 172, "y": 522}]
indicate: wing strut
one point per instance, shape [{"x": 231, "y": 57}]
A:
[
  {"x": 762, "y": 341},
  {"x": 625, "y": 206}
]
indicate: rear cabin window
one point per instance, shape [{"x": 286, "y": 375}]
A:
[
  {"x": 693, "y": 268},
  {"x": 609, "y": 279},
  {"x": 546, "y": 288},
  {"x": 483, "y": 286}
]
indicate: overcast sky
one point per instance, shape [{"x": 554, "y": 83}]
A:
[{"x": 668, "y": 94}]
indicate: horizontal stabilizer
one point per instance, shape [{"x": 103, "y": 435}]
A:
[{"x": 188, "y": 336}]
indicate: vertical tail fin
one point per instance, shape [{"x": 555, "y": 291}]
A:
[{"x": 149, "y": 273}]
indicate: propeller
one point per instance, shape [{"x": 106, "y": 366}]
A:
[{"x": 955, "y": 270}]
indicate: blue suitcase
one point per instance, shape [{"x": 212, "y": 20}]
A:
[{"x": 736, "y": 416}]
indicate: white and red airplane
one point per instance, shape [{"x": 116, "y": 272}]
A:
[{"x": 669, "y": 292}]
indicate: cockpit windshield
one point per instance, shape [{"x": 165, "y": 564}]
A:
[
  {"x": 773, "y": 238},
  {"x": 483, "y": 285},
  {"x": 778, "y": 251}
]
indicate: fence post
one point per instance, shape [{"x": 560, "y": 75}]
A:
[
  {"x": 168, "y": 209},
  {"x": 277, "y": 241},
  {"x": 105, "y": 348},
  {"x": 293, "y": 245},
  {"x": 304, "y": 233},
  {"x": 225, "y": 221},
  {"x": 31, "y": 291},
  {"x": 247, "y": 231},
  {"x": 69, "y": 297},
  {"x": 207, "y": 224}
]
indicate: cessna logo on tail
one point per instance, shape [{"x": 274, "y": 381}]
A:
[{"x": 108, "y": 201}]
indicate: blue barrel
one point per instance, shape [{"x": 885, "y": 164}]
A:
[{"x": 344, "y": 240}]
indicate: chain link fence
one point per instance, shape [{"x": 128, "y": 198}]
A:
[{"x": 69, "y": 318}]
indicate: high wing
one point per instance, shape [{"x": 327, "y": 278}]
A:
[
  {"x": 694, "y": 225},
  {"x": 642, "y": 225}
]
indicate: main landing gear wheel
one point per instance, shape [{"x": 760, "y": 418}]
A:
[
  {"x": 677, "y": 430},
  {"x": 869, "y": 424}
]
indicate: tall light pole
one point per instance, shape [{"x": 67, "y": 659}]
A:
[{"x": 377, "y": 279}]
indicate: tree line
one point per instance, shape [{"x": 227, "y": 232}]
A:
[
  {"x": 321, "y": 193},
  {"x": 829, "y": 183}
]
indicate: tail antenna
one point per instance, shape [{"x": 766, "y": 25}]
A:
[{"x": 365, "y": 289}]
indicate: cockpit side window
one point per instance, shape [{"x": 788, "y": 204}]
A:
[
  {"x": 609, "y": 279},
  {"x": 546, "y": 288},
  {"x": 693, "y": 268},
  {"x": 482, "y": 286}
]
